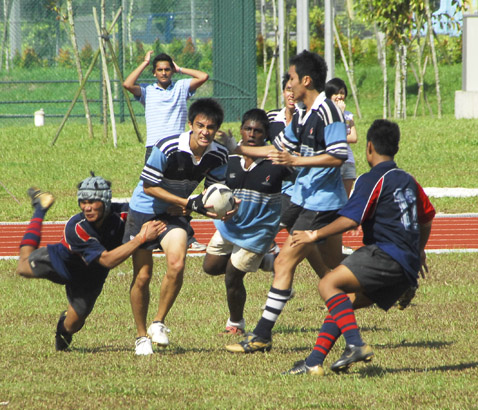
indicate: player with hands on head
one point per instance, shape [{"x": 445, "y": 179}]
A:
[
  {"x": 241, "y": 244},
  {"x": 396, "y": 216},
  {"x": 90, "y": 247},
  {"x": 172, "y": 172}
]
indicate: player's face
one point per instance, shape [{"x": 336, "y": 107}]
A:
[
  {"x": 163, "y": 73},
  {"x": 340, "y": 96},
  {"x": 203, "y": 132},
  {"x": 93, "y": 210},
  {"x": 289, "y": 96},
  {"x": 253, "y": 133},
  {"x": 297, "y": 86}
]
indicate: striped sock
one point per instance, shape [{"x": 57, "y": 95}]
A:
[
  {"x": 328, "y": 334},
  {"x": 32, "y": 236},
  {"x": 276, "y": 300},
  {"x": 341, "y": 309}
]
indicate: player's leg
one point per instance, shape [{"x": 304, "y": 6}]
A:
[
  {"x": 217, "y": 256},
  {"x": 174, "y": 245},
  {"x": 41, "y": 202},
  {"x": 139, "y": 289},
  {"x": 331, "y": 251}
]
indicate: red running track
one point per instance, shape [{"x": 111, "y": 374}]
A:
[{"x": 458, "y": 232}]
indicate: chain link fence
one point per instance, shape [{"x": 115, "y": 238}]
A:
[{"x": 37, "y": 58}]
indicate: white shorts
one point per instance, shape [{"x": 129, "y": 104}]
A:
[
  {"x": 348, "y": 170},
  {"x": 242, "y": 259}
]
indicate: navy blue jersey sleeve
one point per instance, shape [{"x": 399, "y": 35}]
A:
[{"x": 80, "y": 240}]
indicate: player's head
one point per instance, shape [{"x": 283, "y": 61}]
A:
[
  {"x": 311, "y": 65},
  {"x": 287, "y": 92},
  {"x": 95, "y": 188},
  {"x": 163, "y": 57},
  {"x": 205, "y": 117},
  {"x": 208, "y": 108},
  {"x": 385, "y": 137},
  {"x": 336, "y": 87},
  {"x": 254, "y": 127},
  {"x": 163, "y": 69}
]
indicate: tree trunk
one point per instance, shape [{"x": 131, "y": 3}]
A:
[
  {"x": 382, "y": 59},
  {"x": 6, "y": 15},
  {"x": 431, "y": 40},
  {"x": 104, "y": 89},
  {"x": 403, "y": 79},
  {"x": 397, "y": 92},
  {"x": 263, "y": 34},
  {"x": 130, "y": 37},
  {"x": 74, "y": 44}
]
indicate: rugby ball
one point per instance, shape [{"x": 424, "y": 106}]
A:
[{"x": 219, "y": 198}]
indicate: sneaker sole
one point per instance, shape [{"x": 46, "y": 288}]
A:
[{"x": 344, "y": 368}]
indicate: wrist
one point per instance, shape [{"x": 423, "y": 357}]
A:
[{"x": 180, "y": 70}]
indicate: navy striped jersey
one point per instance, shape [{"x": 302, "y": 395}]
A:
[
  {"x": 319, "y": 131},
  {"x": 172, "y": 166},
  {"x": 390, "y": 205},
  {"x": 75, "y": 258},
  {"x": 256, "y": 223}
]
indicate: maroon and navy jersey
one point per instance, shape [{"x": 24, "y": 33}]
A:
[
  {"x": 75, "y": 258},
  {"x": 390, "y": 205}
]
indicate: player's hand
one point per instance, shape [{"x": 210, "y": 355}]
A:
[
  {"x": 147, "y": 57},
  {"x": 176, "y": 67},
  {"x": 226, "y": 139},
  {"x": 151, "y": 230},
  {"x": 301, "y": 237},
  {"x": 233, "y": 211},
  {"x": 423, "y": 264},
  {"x": 341, "y": 105},
  {"x": 281, "y": 157},
  {"x": 195, "y": 204},
  {"x": 177, "y": 210}
]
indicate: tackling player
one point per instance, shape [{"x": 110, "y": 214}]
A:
[
  {"x": 90, "y": 247},
  {"x": 396, "y": 217}
]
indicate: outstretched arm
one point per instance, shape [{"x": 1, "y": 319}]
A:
[
  {"x": 130, "y": 81},
  {"x": 198, "y": 77},
  {"x": 340, "y": 225},
  {"x": 149, "y": 231}
]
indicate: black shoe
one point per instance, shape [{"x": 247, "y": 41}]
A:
[
  {"x": 62, "y": 337},
  {"x": 40, "y": 198},
  {"x": 352, "y": 354},
  {"x": 301, "y": 368},
  {"x": 252, "y": 343},
  {"x": 406, "y": 298}
]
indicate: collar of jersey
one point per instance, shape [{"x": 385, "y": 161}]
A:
[
  {"x": 157, "y": 86},
  {"x": 183, "y": 144},
  {"x": 319, "y": 100}
]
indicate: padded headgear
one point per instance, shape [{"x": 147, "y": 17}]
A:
[{"x": 95, "y": 189}]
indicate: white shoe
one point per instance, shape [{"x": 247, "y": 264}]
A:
[
  {"x": 143, "y": 346},
  {"x": 196, "y": 246},
  {"x": 159, "y": 333}
]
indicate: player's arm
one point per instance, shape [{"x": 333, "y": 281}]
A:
[
  {"x": 287, "y": 159},
  {"x": 255, "y": 152},
  {"x": 340, "y": 225},
  {"x": 198, "y": 77},
  {"x": 425, "y": 230},
  {"x": 149, "y": 231},
  {"x": 130, "y": 81}
]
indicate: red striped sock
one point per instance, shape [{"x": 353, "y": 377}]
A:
[
  {"x": 341, "y": 309},
  {"x": 328, "y": 334},
  {"x": 32, "y": 236}
]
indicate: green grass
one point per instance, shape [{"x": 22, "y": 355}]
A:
[{"x": 423, "y": 355}]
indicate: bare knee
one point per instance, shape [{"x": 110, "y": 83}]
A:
[{"x": 214, "y": 265}]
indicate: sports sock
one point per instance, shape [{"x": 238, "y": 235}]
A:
[
  {"x": 341, "y": 309},
  {"x": 328, "y": 334},
  {"x": 32, "y": 235},
  {"x": 276, "y": 300}
]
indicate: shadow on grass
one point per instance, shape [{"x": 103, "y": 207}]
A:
[
  {"x": 378, "y": 371},
  {"x": 404, "y": 343}
]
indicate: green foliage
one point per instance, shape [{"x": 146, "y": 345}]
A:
[
  {"x": 86, "y": 55},
  {"x": 65, "y": 59},
  {"x": 30, "y": 59}
]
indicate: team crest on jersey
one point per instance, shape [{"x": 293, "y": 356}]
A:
[
  {"x": 311, "y": 133},
  {"x": 232, "y": 175},
  {"x": 266, "y": 182}
]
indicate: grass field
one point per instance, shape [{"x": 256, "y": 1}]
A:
[{"x": 425, "y": 357}]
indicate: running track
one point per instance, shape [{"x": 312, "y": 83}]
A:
[{"x": 450, "y": 233}]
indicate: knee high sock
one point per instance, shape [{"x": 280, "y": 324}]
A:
[
  {"x": 341, "y": 309},
  {"x": 32, "y": 236},
  {"x": 328, "y": 334},
  {"x": 276, "y": 300}
]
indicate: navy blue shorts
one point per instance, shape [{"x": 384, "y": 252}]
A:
[
  {"x": 383, "y": 279},
  {"x": 136, "y": 220},
  {"x": 296, "y": 218}
]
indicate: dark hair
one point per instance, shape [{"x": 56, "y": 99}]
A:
[
  {"x": 333, "y": 86},
  {"x": 208, "y": 107},
  {"x": 285, "y": 80},
  {"x": 313, "y": 65},
  {"x": 256, "y": 114},
  {"x": 385, "y": 137},
  {"x": 163, "y": 57}
]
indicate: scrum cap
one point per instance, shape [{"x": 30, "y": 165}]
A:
[{"x": 95, "y": 189}]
